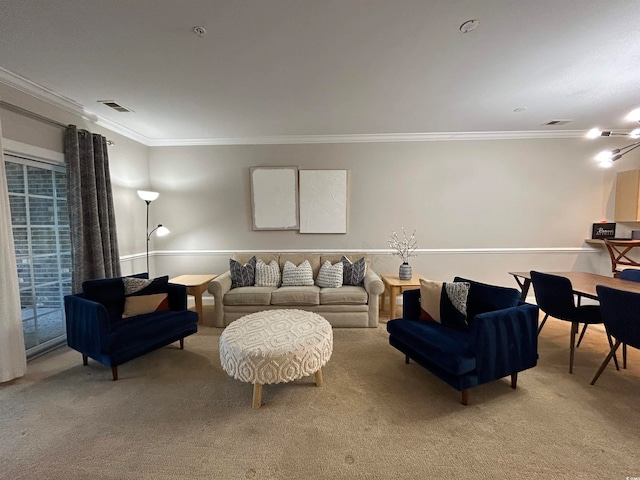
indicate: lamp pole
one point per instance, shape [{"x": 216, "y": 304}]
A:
[{"x": 148, "y": 235}]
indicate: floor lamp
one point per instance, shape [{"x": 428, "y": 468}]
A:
[{"x": 149, "y": 197}]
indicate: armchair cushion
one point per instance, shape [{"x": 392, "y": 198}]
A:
[
  {"x": 487, "y": 298},
  {"x": 444, "y": 302},
  {"x": 108, "y": 292}
]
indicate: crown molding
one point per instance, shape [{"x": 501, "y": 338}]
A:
[
  {"x": 366, "y": 138},
  {"x": 33, "y": 89}
]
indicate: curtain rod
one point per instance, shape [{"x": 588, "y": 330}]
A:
[
  {"x": 23, "y": 111},
  {"x": 37, "y": 116}
]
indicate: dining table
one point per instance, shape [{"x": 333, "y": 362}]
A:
[{"x": 583, "y": 283}]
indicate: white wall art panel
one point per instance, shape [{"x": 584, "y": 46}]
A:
[
  {"x": 323, "y": 201},
  {"x": 274, "y": 198}
]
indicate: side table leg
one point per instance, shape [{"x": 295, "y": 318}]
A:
[
  {"x": 198, "y": 298},
  {"x": 257, "y": 395},
  {"x": 393, "y": 297},
  {"x": 319, "y": 379}
]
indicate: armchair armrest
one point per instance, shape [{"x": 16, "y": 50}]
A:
[
  {"x": 218, "y": 287},
  {"x": 88, "y": 324},
  {"x": 505, "y": 341}
]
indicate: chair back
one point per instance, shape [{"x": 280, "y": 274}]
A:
[
  {"x": 554, "y": 295},
  {"x": 619, "y": 254},
  {"x": 621, "y": 314},
  {"x": 630, "y": 274}
]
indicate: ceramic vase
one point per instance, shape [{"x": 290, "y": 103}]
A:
[{"x": 405, "y": 271}]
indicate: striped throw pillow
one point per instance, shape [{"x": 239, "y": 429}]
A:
[
  {"x": 267, "y": 275},
  {"x": 330, "y": 276},
  {"x": 293, "y": 276}
]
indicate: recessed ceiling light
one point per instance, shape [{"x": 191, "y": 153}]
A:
[{"x": 469, "y": 26}]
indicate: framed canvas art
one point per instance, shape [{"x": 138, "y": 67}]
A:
[
  {"x": 274, "y": 198},
  {"x": 323, "y": 201}
]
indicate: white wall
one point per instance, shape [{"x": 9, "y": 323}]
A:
[{"x": 480, "y": 208}]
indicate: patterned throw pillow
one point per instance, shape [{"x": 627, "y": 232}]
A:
[
  {"x": 267, "y": 275},
  {"x": 242, "y": 275},
  {"x": 330, "y": 276},
  {"x": 444, "y": 302},
  {"x": 293, "y": 276},
  {"x": 145, "y": 296},
  {"x": 353, "y": 273}
]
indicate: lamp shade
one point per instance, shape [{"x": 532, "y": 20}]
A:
[{"x": 147, "y": 195}]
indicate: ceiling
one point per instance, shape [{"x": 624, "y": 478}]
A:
[{"x": 277, "y": 69}]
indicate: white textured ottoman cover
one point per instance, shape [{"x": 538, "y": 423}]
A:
[{"x": 276, "y": 346}]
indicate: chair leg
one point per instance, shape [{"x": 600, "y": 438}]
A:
[
  {"x": 572, "y": 344},
  {"x": 542, "y": 323},
  {"x": 514, "y": 380},
  {"x": 182, "y": 344},
  {"x": 624, "y": 355},
  {"x": 85, "y": 360},
  {"x": 584, "y": 329},
  {"x": 615, "y": 357},
  {"x": 464, "y": 397},
  {"x": 606, "y": 361},
  {"x": 406, "y": 359},
  {"x": 114, "y": 373}
]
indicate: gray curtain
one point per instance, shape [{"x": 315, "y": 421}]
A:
[{"x": 94, "y": 241}]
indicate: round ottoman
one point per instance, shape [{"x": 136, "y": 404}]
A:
[{"x": 276, "y": 346}]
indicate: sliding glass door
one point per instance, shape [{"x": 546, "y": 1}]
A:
[{"x": 40, "y": 222}]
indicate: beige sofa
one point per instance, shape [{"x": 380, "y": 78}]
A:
[{"x": 347, "y": 306}]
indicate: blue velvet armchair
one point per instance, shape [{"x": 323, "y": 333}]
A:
[
  {"x": 501, "y": 339},
  {"x": 96, "y": 329}
]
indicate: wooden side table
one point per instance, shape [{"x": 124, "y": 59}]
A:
[
  {"x": 196, "y": 286},
  {"x": 395, "y": 287}
]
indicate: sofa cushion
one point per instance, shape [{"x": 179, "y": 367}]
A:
[
  {"x": 267, "y": 275},
  {"x": 297, "y": 275},
  {"x": 345, "y": 295},
  {"x": 330, "y": 276},
  {"x": 296, "y": 295},
  {"x": 353, "y": 273},
  {"x": 447, "y": 348},
  {"x": 444, "y": 302},
  {"x": 487, "y": 298},
  {"x": 242, "y": 275},
  {"x": 249, "y": 296}
]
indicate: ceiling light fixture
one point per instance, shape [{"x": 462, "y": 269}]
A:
[
  {"x": 200, "y": 31},
  {"x": 607, "y": 157},
  {"x": 469, "y": 26}
]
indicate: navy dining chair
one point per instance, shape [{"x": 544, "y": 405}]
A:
[
  {"x": 633, "y": 275},
  {"x": 621, "y": 316},
  {"x": 554, "y": 296}
]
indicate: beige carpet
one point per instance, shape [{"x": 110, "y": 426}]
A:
[{"x": 176, "y": 415}]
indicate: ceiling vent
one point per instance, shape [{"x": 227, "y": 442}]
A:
[
  {"x": 557, "y": 122},
  {"x": 115, "y": 106}
]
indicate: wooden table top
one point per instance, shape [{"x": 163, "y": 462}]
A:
[
  {"x": 394, "y": 280},
  {"x": 584, "y": 283},
  {"x": 193, "y": 280}
]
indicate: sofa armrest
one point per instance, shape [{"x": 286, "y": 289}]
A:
[
  {"x": 177, "y": 297},
  {"x": 505, "y": 341},
  {"x": 218, "y": 287},
  {"x": 372, "y": 283},
  {"x": 88, "y": 325}
]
